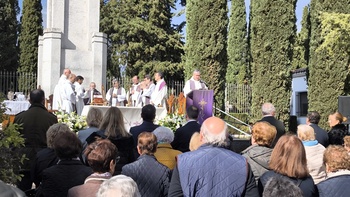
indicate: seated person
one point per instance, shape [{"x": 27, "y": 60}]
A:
[
  {"x": 93, "y": 120},
  {"x": 152, "y": 177},
  {"x": 101, "y": 156},
  {"x": 165, "y": 154},
  {"x": 119, "y": 186},
  {"x": 69, "y": 171},
  {"x": 89, "y": 95}
]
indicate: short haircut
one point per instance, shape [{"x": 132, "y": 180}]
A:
[
  {"x": 120, "y": 184},
  {"x": 147, "y": 143},
  {"x": 314, "y": 117},
  {"x": 115, "y": 80},
  {"x": 94, "y": 117},
  {"x": 219, "y": 140},
  {"x": 306, "y": 133},
  {"x": 337, "y": 158},
  {"x": 161, "y": 74},
  {"x": 67, "y": 145},
  {"x": 268, "y": 109},
  {"x": 196, "y": 71},
  {"x": 263, "y": 133},
  {"x": 53, "y": 131},
  {"x": 192, "y": 112},
  {"x": 79, "y": 78},
  {"x": 148, "y": 113},
  {"x": 148, "y": 77},
  {"x": 99, "y": 155},
  {"x": 281, "y": 186},
  {"x": 347, "y": 141},
  {"x": 164, "y": 134},
  {"x": 289, "y": 158},
  {"x": 37, "y": 96}
]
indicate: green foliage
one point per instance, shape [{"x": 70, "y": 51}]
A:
[
  {"x": 8, "y": 35},
  {"x": 302, "y": 44},
  {"x": 141, "y": 36},
  {"x": 329, "y": 56},
  {"x": 272, "y": 35},
  {"x": 31, "y": 28},
  {"x": 237, "y": 46},
  {"x": 10, "y": 157},
  {"x": 206, "y": 46},
  {"x": 241, "y": 116}
]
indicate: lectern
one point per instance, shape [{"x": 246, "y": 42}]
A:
[{"x": 203, "y": 100}]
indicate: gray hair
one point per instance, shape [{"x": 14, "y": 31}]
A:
[
  {"x": 121, "y": 184},
  {"x": 53, "y": 131},
  {"x": 268, "y": 109},
  {"x": 215, "y": 139},
  {"x": 196, "y": 71},
  {"x": 94, "y": 117},
  {"x": 164, "y": 134}
]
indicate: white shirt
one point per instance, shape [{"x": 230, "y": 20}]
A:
[
  {"x": 197, "y": 86},
  {"x": 158, "y": 96},
  {"x": 119, "y": 98}
]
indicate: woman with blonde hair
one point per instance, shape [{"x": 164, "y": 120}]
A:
[
  {"x": 259, "y": 153},
  {"x": 112, "y": 127},
  {"x": 288, "y": 159},
  {"x": 314, "y": 152},
  {"x": 338, "y": 129}
]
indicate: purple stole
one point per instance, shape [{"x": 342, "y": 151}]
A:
[
  {"x": 119, "y": 92},
  {"x": 193, "y": 86},
  {"x": 161, "y": 85}
]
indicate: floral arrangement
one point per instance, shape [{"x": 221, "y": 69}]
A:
[
  {"x": 72, "y": 120},
  {"x": 172, "y": 121}
]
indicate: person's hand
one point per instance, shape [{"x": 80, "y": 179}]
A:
[{"x": 114, "y": 95}]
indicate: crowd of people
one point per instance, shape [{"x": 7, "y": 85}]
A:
[
  {"x": 150, "y": 160},
  {"x": 70, "y": 96}
]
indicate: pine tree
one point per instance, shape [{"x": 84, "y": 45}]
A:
[
  {"x": 328, "y": 69},
  {"x": 206, "y": 46},
  {"x": 272, "y": 35},
  {"x": 8, "y": 35},
  {"x": 143, "y": 38},
  {"x": 302, "y": 44},
  {"x": 31, "y": 28},
  {"x": 237, "y": 51}
]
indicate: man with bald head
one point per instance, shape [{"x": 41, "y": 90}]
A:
[
  {"x": 268, "y": 112},
  {"x": 68, "y": 94},
  {"x": 57, "y": 97},
  {"x": 212, "y": 169}
]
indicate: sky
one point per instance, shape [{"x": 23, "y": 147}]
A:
[{"x": 177, "y": 20}]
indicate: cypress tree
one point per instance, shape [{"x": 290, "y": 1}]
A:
[
  {"x": 31, "y": 28},
  {"x": 302, "y": 44},
  {"x": 237, "y": 52},
  {"x": 328, "y": 69},
  {"x": 206, "y": 46},
  {"x": 8, "y": 35},
  {"x": 272, "y": 35}
]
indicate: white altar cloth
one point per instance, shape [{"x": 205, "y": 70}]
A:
[{"x": 14, "y": 107}]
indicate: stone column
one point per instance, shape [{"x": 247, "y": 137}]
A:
[{"x": 99, "y": 67}]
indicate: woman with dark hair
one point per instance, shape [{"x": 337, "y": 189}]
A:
[
  {"x": 112, "y": 127},
  {"x": 101, "y": 156},
  {"x": 69, "y": 171},
  {"x": 288, "y": 159},
  {"x": 338, "y": 129}
]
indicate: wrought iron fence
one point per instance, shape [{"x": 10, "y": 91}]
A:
[{"x": 237, "y": 96}]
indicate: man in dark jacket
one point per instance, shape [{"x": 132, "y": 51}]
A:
[
  {"x": 152, "y": 177},
  {"x": 312, "y": 120},
  {"x": 183, "y": 134},
  {"x": 35, "y": 122},
  {"x": 268, "y": 111},
  {"x": 212, "y": 170}
]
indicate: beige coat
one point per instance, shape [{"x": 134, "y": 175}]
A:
[{"x": 314, "y": 156}]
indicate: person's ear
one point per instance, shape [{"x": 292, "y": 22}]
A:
[
  {"x": 139, "y": 150},
  {"x": 112, "y": 166}
]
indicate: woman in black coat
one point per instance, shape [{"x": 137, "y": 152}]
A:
[{"x": 338, "y": 129}]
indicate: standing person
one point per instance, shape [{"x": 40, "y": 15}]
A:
[
  {"x": 152, "y": 177},
  {"x": 135, "y": 91},
  {"x": 101, "y": 156},
  {"x": 337, "y": 161},
  {"x": 288, "y": 160},
  {"x": 212, "y": 170},
  {"x": 68, "y": 95},
  {"x": 268, "y": 112},
  {"x": 259, "y": 153},
  {"x": 80, "y": 91},
  {"x": 160, "y": 91},
  {"x": 57, "y": 99},
  {"x": 35, "y": 122},
  {"x": 312, "y": 119},
  {"x": 89, "y": 95},
  {"x": 183, "y": 134},
  {"x": 195, "y": 83},
  {"x": 338, "y": 129},
  {"x": 116, "y": 95},
  {"x": 147, "y": 91}
]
